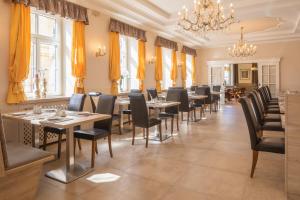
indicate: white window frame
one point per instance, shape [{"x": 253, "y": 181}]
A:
[
  {"x": 188, "y": 61},
  {"x": 58, "y": 42},
  {"x": 166, "y": 68}
]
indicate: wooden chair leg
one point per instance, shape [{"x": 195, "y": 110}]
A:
[
  {"x": 96, "y": 147},
  {"x": 147, "y": 137},
  {"x": 133, "y": 135},
  {"x": 93, "y": 153},
  {"x": 254, "y": 161},
  {"x": 160, "y": 135},
  {"x": 109, "y": 145},
  {"x": 120, "y": 129},
  {"x": 129, "y": 119},
  {"x": 195, "y": 118},
  {"x": 79, "y": 144},
  {"x": 188, "y": 117},
  {"x": 143, "y": 133},
  {"x": 172, "y": 126},
  {"x": 181, "y": 116},
  {"x": 45, "y": 141},
  {"x": 166, "y": 121},
  {"x": 59, "y": 145}
]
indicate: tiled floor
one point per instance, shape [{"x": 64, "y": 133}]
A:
[{"x": 209, "y": 159}]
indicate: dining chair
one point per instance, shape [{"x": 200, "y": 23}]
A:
[
  {"x": 76, "y": 103},
  {"x": 140, "y": 117},
  {"x": 171, "y": 112},
  {"x": 264, "y": 144},
  {"x": 92, "y": 95},
  {"x": 193, "y": 88},
  {"x": 270, "y": 94},
  {"x": 267, "y": 108},
  {"x": 128, "y": 111},
  {"x": 205, "y": 90},
  {"x": 185, "y": 105},
  {"x": 269, "y": 124},
  {"x": 152, "y": 93},
  {"x": 101, "y": 129}
]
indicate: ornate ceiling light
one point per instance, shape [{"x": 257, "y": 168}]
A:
[
  {"x": 206, "y": 16},
  {"x": 242, "y": 48}
]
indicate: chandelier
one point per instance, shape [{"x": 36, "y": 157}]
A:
[
  {"x": 205, "y": 16},
  {"x": 242, "y": 48}
]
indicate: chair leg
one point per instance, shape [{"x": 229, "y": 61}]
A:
[
  {"x": 45, "y": 141},
  {"x": 160, "y": 135},
  {"x": 120, "y": 129},
  {"x": 79, "y": 144},
  {"x": 59, "y": 145},
  {"x": 181, "y": 116},
  {"x": 147, "y": 137},
  {"x": 96, "y": 147},
  {"x": 172, "y": 126},
  {"x": 93, "y": 153},
  {"x": 133, "y": 135},
  {"x": 143, "y": 133},
  {"x": 195, "y": 118},
  {"x": 109, "y": 145},
  {"x": 188, "y": 117},
  {"x": 129, "y": 119},
  {"x": 254, "y": 161},
  {"x": 177, "y": 122}
]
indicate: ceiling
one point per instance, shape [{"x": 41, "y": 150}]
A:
[{"x": 263, "y": 20}]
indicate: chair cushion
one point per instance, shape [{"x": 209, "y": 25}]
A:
[
  {"x": 127, "y": 112},
  {"x": 58, "y": 130},
  {"x": 19, "y": 155},
  {"x": 268, "y": 144},
  {"x": 273, "y": 106},
  {"x": 91, "y": 134},
  {"x": 272, "y": 126},
  {"x": 166, "y": 115},
  {"x": 273, "y": 110},
  {"x": 272, "y": 118},
  {"x": 154, "y": 121}
]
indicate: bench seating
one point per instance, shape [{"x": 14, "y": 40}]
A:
[{"x": 20, "y": 169}]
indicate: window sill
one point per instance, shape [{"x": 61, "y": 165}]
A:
[{"x": 46, "y": 100}]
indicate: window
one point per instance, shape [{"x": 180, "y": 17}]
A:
[
  {"x": 128, "y": 63},
  {"x": 49, "y": 34},
  {"x": 189, "y": 80},
  {"x": 166, "y": 65}
]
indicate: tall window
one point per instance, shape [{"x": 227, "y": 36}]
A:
[
  {"x": 189, "y": 81},
  {"x": 128, "y": 63},
  {"x": 45, "y": 52},
  {"x": 166, "y": 65}
]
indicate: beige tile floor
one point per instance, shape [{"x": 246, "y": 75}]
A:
[{"x": 205, "y": 160}]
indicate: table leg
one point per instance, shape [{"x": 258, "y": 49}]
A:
[
  {"x": 72, "y": 170},
  {"x": 35, "y": 137},
  {"x": 121, "y": 117},
  {"x": 156, "y": 132}
]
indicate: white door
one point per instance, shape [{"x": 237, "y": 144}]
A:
[
  {"x": 269, "y": 76},
  {"x": 217, "y": 76}
]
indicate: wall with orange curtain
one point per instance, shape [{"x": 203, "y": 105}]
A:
[{"x": 97, "y": 78}]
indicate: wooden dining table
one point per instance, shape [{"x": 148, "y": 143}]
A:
[{"x": 71, "y": 170}]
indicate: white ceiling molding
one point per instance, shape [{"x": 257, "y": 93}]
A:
[{"x": 160, "y": 16}]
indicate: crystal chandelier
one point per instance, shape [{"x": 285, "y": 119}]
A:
[
  {"x": 242, "y": 48},
  {"x": 205, "y": 16}
]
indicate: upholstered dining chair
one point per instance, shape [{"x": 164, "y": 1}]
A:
[
  {"x": 140, "y": 117},
  {"x": 185, "y": 105},
  {"x": 128, "y": 111},
  {"x": 101, "y": 129},
  {"x": 258, "y": 143},
  {"x": 92, "y": 95},
  {"x": 152, "y": 93},
  {"x": 171, "y": 112},
  {"x": 76, "y": 103},
  {"x": 267, "y": 108}
]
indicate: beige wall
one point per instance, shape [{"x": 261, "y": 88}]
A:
[
  {"x": 289, "y": 52},
  {"x": 97, "y": 67}
]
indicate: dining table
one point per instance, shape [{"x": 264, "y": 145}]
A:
[{"x": 71, "y": 170}]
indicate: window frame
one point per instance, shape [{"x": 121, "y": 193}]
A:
[
  {"x": 58, "y": 42},
  {"x": 166, "y": 76}
]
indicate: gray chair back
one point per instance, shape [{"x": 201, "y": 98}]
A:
[
  {"x": 92, "y": 95},
  {"x": 106, "y": 105},
  {"x": 193, "y": 88},
  {"x": 173, "y": 95},
  {"x": 152, "y": 92},
  {"x": 216, "y": 88},
  {"x": 76, "y": 102},
  {"x": 139, "y": 110},
  {"x": 258, "y": 111},
  {"x": 184, "y": 101}
]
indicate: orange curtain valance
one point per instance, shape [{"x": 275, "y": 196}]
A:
[
  {"x": 126, "y": 29},
  {"x": 189, "y": 51},
  {"x": 59, "y": 7},
  {"x": 163, "y": 42}
]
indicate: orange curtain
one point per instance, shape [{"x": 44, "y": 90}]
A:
[
  {"x": 158, "y": 68},
  {"x": 174, "y": 68},
  {"x": 78, "y": 59},
  {"x": 194, "y": 70},
  {"x": 141, "y": 64},
  {"x": 183, "y": 69},
  {"x": 19, "y": 52},
  {"x": 114, "y": 61}
]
